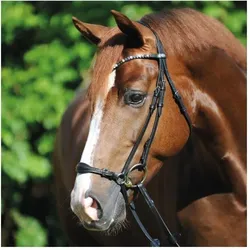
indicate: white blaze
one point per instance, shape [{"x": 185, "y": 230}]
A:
[
  {"x": 94, "y": 131},
  {"x": 95, "y": 124},
  {"x": 83, "y": 181}
]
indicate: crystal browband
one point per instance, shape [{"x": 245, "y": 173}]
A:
[{"x": 129, "y": 58}]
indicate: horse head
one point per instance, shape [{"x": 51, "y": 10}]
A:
[
  {"x": 121, "y": 97},
  {"x": 138, "y": 119}
]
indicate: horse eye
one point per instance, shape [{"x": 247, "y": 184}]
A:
[{"x": 134, "y": 98}]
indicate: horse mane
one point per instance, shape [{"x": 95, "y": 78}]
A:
[{"x": 184, "y": 31}]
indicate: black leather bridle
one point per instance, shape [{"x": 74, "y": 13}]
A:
[{"x": 122, "y": 178}]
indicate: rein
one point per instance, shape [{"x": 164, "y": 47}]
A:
[{"x": 122, "y": 178}]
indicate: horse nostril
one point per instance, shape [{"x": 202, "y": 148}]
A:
[
  {"x": 92, "y": 208},
  {"x": 96, "y": 205}
]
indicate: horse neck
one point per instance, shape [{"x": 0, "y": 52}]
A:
[{"x": 219, "y": 121}]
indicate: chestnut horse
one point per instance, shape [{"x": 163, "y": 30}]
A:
[{"x": 197, "y": 180}]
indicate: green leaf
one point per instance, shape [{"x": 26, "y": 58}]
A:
[
  {"x": 11, "y": 166},
  {"x": 236, "y": 21},
  {"x": 30, "y": 232},
  {"x": 46, "y": 144},
  {"x": 37, "y": 166},
  {"x": 216, "y": 11},
  {"x": 227, "y": 4},
  {"x": 134, "y": 13}
]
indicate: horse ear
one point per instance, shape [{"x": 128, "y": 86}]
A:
[
  {"x": 92, "y": 32},
  {"x": 129, "y": 28}
]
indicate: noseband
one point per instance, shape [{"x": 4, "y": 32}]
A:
[{"x": 122, "y": 178}]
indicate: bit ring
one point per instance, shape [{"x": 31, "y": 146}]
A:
[{"x": 128, "y": 182}]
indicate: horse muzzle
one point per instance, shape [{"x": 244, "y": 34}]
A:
[{"x": 99, "y": 209}]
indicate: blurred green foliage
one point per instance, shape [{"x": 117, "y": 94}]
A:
[
  {"x": 44, "y": 61},
  {"x": 30, "y": 232}
]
